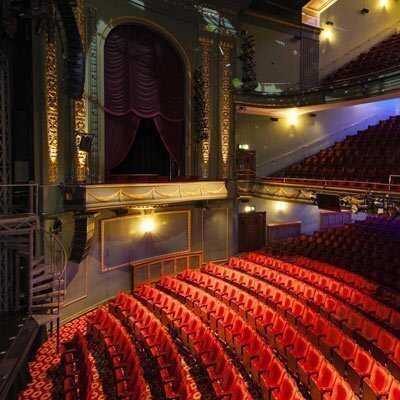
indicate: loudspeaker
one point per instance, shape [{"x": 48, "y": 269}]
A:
[
  {"x": 83, "y": 237},
  {"x": 85, "y": 144},
  {"x": 329, "y": 202}
]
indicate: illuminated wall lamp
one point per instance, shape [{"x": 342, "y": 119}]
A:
[
  {"x": 249, "y": 209},
  {"x": 244, "y": 147},
  {"x": 148, "y": 225}
]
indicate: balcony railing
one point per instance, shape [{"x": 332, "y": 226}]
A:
[
  {"x": 94, "y": 197},
  {"x": 357, "y": 87}
]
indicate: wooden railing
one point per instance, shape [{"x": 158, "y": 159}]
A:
[{"x": 153, "y": 270}]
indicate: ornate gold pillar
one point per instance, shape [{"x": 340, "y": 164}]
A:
[
  {"x": 80, "y": 106},
  {"x": 225, "y": 104},
  {"x": 52, "y": 109},
  {"x": 206, "y": 44}
]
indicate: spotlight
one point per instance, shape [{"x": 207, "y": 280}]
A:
[
  {"x": 249, "y": 209},
  {"x": 293, "y": 117},
  {"x": 244, "y": 147},
  {"x": 383, "y": 3},
  {"x": 148, "y": 225}
]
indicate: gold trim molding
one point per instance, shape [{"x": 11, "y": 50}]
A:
[
  {"x": 226, "y": 101},
  {"x": 206, "y": 44},
  {"x": 94, "y": 197},
  {"x": 80, "y": 106},
  {"x": 52, "y": 110}
]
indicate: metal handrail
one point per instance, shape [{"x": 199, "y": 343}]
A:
[{"x": 61, "y": 259}]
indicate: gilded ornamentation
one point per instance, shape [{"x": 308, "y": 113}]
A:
[
  {"x": 225, "y": 96},
  {"x": 80, "y": 106},
  {"x": 206, "y": 43},
  {"x": 52, "y": 109}
]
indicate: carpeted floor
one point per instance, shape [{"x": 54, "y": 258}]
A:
[{"x": 45, "y": 368}]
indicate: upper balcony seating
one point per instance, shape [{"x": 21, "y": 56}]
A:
[
  {"x": 370, "y": 156},
  {"x": 385, "y": 55}
]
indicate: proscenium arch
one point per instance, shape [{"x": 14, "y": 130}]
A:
[{"x": 102, "y": 35}]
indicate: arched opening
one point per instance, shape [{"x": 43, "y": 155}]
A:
[{"x": 144, "y": 90}]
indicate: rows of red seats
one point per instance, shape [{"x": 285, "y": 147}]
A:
[
  {"x": 150, "y": 331},
  {"x": 383, "y": 55},
  {"x": 369, "y": 248},
  {"x": 369, "y": 156},
  {"x": 383, "y": 344},
  {"x": 257, "y": 358},
  {"x": 76, "y": 368},
  {"x": 344, "y": 352},
  {"x": 340, "y": 274},
  {"x": 346, "y": 293},
  {"x": 108, "y": 333},
  {"x": 226, "y": 380},
  {"x": 310, "y": 366}
]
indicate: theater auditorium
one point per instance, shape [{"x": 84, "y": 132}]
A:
[{"x": 200, "y": 199}]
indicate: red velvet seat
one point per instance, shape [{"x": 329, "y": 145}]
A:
[
  {"x": 377, "y": 385},
  {"x": 274, "y": 376},
  {"x": 323, "y": 382},
  {"x": 287, "y": 390},
  {"x": 286, "y": 342},
  {"x": 344, "y": 354},
  {"x": 341, "y": 391},
  {"x": 299, "y": 351},
  {"x": 309, "y": 366},
  {"x": 360, "y": 369},
  {"x": 394, "y": 392}
]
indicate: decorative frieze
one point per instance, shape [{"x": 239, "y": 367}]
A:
[
  {"x": 225, "y": 102},
  {"x": 206, "y": 44},
  {"x": 80, "y": 106},
  {"x": 52, "y": 109}
]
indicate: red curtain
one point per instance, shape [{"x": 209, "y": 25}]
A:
[{"x": 144, "y": 78}]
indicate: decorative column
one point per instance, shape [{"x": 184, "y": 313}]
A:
[
  {"x": 52, "y": 109},
  {"x": 93, "y": 108},
  {"x": 206, "y": 44},
  {"x": 80, "y": 107},
  {"x": 225, "y": 104}
]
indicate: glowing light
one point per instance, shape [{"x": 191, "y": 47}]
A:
[
  {"x": 293, "y": 117},
  {"x": 244, "y": 147},
  {"x": 249, "y": 209},
  {"x": 384, "y": 3},
  {"x": 148, "y": 225},
  {"x": 327, "y": 34},
  {"x": 281, "y": 206}
]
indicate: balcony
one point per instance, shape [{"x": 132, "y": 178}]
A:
[
  {"x": 304, "y": 190},
  {"x": 101, "y": 196},
  {"x": 382, "y": 85}
]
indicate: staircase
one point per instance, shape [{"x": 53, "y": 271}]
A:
[{"x": 48, "y": 262}]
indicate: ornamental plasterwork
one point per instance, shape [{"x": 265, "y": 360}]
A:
[{"x": 225, "y": 109}]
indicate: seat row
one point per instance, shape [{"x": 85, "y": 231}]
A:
[
  {"x": 365, "y": 248},
  {"x": 76, "y": 368},
  {"x": 112, "y": 338},
  {"x": 208, "y": 351},
  {"x": 146, "y": 327},
  {"x": 314, "y": 370},
  {"x": 340, "y": 274},
  {"x": 250, "y": 349},
  {"x": 384, "y": 345},
  {"x": 340, "y": 349},
  {"x": 346, "y": 293}
]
